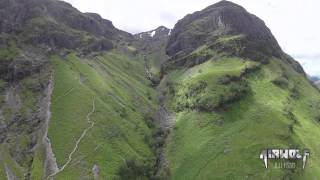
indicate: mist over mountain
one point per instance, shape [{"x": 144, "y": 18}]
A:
[{"x": 81, "y": 99}]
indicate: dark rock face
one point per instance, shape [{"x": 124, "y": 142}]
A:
[
  {"x": 25, "y": 65},
  {"x": 22, "y": 94},
  {"x": 30, "y": 31},
  {"x": 152, "y": 45},
  {"x": 57, "y": 24},
  {"x": 223, "y": 19},
  {"x": 153, "y": 41},
  {"x": 157, "y": 34}
]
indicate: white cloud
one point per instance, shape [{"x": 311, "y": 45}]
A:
[{"x": 293, "y": 22}]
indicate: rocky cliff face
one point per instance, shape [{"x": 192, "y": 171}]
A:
[
  {"x": 224, "y": 19},
  {"x": 152, "y": 45},
  {"x": 153, "y": 42},
  {"x": 225, "y": 28},
  {"x": 58, "y": 25},
  {"x": 23, "y": 108},
  {"x": 157, "y": 34}
]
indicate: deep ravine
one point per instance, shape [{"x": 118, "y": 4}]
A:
[{"x": 165, "y": 122}]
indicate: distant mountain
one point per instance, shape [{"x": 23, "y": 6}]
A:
[
  {"x": 314, "y": 78},
  {"x": 157, "y": 33},
  {"x": 81, "y": 99},
  {"x": 317, "y": 83},
  {"x": 152, "y": 44}
]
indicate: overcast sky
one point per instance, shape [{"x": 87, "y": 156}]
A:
[{"x": 295, "y": 23}]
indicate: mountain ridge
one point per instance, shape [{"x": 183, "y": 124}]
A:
[
  {"x": 155, "y": 33},
  {"x": 227, "y": 28},
  {"x": 225, "y": 18},
  {"x": 58, "y": 24}
]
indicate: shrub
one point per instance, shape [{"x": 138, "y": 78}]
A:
[
  {"x": 136, "y": 169},
  {"x": 3, "y": 85},
  {"x": 197, "y": 96},
  {"x": 171, "y": 88},
  {"x": 281, "y": 82},
  {"x": 294, "y": 93},
  {"x": 122, "y": 112},
  {"x": 228, "y": 79},
  {"x": 149, "y": 96},
  {"x": 208, "y": 103},
  {"x": 148, "y": 140},
  {"x": 291, "y": 126},
  {"x": 149, "y": 119},
  {"x": 189, "y": 95},
  {"x": 250, "y": 69}
]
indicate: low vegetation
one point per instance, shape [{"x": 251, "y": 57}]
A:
[
  {"x": 120, "y": 127},
  {"x": 272, "y": 111},
  {"x": 135, "y": 169}
]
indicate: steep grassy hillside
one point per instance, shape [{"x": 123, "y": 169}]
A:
[
  {"x": 233, "y": 92},
  {"x": 30, "y": 32},
  {"x": 80, "y": 99},
  {"x": 122, "y": 98},
  {"x": 225, "y": 115}
]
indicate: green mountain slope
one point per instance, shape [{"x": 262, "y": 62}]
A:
[
  {"x": 117, "y": 86},
  {"x": 210, "y": 142},
  {"x": 233, "y": 93},
  {"x": 54, "y": 60},
  {"x": 80, "y": 99}
]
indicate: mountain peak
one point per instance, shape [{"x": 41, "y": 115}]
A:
[
  {"x": 225, "y": 3},
  {"x": 157, "y": 33},
  {"x": 59, "y": 25},
  {"x": 218, "y": 21},
  {"x": 162, "y": 28}
]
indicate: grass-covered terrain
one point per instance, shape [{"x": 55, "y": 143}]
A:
[
  {"x": 226, "y": 110},
  {"x": 183, "y": 106},
  {"x": 122, "y": 97},
  {"x": 218, "y": 136}
]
